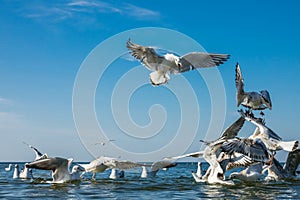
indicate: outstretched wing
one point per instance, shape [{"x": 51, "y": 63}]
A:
[
  {"x": 144, "y": 54},
  {"x": 292, "y": 162},
  {"x": 239, "y": 83},
  {"x": 194, "y": 155},
  {"x": 125, "y": 164},
  {"x": 255, "y": 149},
  {"x": 234, "y": 129},
  {"x": 162, "y": 164},
  {"x": 237, "y": 160},
  {"x": 48, "y": 163},
  {"x": 201, "y": 60}
]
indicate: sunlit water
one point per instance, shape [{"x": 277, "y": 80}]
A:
[{"x": 176, "y": 183}]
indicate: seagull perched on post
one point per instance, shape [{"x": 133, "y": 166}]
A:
[
  {"x": 251, "y": 100},
  {"x": 164, "y": 65}
]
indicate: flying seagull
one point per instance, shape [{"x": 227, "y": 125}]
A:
[
  {"x": 251, "y": 100},
  {"x": 164, "y": 65},
  {"x": 272, "y": 141}
]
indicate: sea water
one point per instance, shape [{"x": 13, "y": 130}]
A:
[{"x": 175, "y": 183}]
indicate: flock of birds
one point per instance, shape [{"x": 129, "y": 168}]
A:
[{"x": 255, "y": 153}]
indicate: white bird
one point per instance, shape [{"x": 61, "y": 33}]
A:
[
  {"x": 254, "y": 172},
  {"x": 38, "y": 154},
  {"x": 16, "y": 172},
  {"x": 251, "y": 100},
  {"x": 166, "y": 163},
  {"x": 199, "y": 169},
  {"x": 59, "y": 167},
  {"x": 288, "y": 171},
  {"x": 272, "y": 141},
  {"x": 115, "y": 174},
  {"x": 104, "y": 163},
  {"x": 215, "y": 173},
  {"x": 167, "y": 64},
  {"x": 26, "y": 173},
  {"x": 8, "y": 168}
]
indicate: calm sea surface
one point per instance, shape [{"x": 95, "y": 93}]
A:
[{"x": 176, "y": 183}]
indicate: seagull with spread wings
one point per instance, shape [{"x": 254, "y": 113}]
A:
[
  {"x": 59, "y": 167},
  {"x": 272, "y": 141},
  {"x": 164, "y": 65},
  {"x": 251, "y": 100},
  {"x": 103, "y": 163}
]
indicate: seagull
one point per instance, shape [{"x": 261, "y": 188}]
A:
[
  {"x": 59, "y": 167},
  {"x": 103, "y": 143},
  {"x": 251, "y": 100},
  {"x": 104, "y": 163},
  {"x": 165, "y": 163},
  {"x": 115, "y": 174},
  {"x": 199, "y": 169},
  {"x": 288, "y": 171},
  {"x": 16, "y": 172},
  {"x": 254, "y": 172},
  {"x": 164, "y": 65},
  {"x": 26, "y": 173},
  {"x": 215, "y": 173},
  {"x": 198, "y": 175},
  {"x": 8, "y": 168},
  {"x": 38, "y": 154},
  {"x": 272, "y": 141}
]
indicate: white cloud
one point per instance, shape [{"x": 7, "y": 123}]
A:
[
  {"x": 75, "y": 9},
  {"x": 140, "y": 13}
]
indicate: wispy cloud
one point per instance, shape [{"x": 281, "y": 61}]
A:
[
  {"x": 140, "y": 13},
  {"x": 4, "y": 101},
  {"x": 76, "y": 9}
]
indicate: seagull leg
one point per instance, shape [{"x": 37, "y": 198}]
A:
[
  {"x": 93, "y": 176},
  {"x": 272, "y": 158}
]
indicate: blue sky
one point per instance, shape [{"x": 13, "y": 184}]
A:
[{"x": 44, "y": 44}]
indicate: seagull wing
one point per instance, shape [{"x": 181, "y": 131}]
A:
[
  {"x": 144, "y": 54},
  {"x": 194, "y": 155},
  {"x": 38, "y": 154},
  {"x": 234, "y": 129},
  {"x": 162, "y": 164},
  {"x": 125, "y": 164},
  {"x": 267, "y": 98},
  {"x": 239, "y": 83},
  {"x": 201, "y": 60},
  {"x": 239, "y": 161},
  {"x": 255, "y": 149},
  {"x": 292, "y": 162},
  {"x": 267, "y": 132},
  {"x": 48, "y": 163}
]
